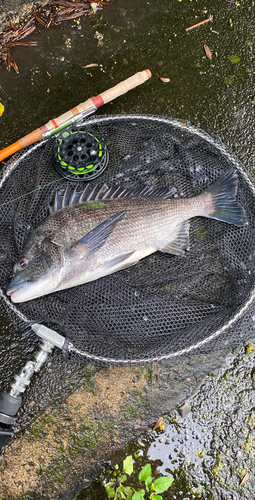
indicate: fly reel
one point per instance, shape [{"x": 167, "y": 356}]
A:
[{"x": 80, "y": 154}]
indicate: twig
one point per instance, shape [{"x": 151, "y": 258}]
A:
[
  {"x": 25, "y": 44},
  {"x": 210, "y": 18}
]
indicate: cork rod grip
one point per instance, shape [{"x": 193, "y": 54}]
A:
[
  {"x": 123, "y": 87},
  {"x": 119, "y": 89}
]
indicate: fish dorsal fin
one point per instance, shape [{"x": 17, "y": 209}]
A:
[
  {"x": 181, "y": 242},
  {"x": 68, "y": 198}
]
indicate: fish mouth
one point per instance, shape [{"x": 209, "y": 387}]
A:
[{"x": 14, "y": 288}]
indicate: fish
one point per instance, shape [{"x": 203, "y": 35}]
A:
[{"x": 99, "y": 231}]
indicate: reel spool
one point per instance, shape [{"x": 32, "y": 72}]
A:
[{"x": 80, "y": 153}]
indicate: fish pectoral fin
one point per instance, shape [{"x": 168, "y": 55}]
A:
[
  {"x": 96, "y": 238},
  {"x": 120, "y": 261},
  {"x": 180, "y": 243}
]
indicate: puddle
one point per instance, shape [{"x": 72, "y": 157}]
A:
[{"x": 187, "y": 444}]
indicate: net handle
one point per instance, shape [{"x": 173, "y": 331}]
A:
[{"x": 77, "y": 113}]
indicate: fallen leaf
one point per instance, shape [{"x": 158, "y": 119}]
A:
[
  {"x": 207, "y": 51},
  {"x": 158, "y": 423},
  {"x": 1, "y": 109},
  {"x": 125, "y": 61},
  {"x": 14, "y": 65},
  {"x": 92, "y": 65},
  {"x": 98, "y": 35},
  {"x": 245, "y": 478},
  {"x": 94, "y": 6},
  {"x": 140, "y": 443},
  {"x": 64, "y": 446},
  {"x": 162, "y": 426},
  {"x": 165, "y": 80},
  {"x": 228, "y": 80},
  {"x": 234, "y": 59}
]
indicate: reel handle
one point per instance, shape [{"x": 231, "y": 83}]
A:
[{"x": 77, "y": 113}]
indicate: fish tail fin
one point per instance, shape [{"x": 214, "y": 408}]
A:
[{"x": 223, "y": 200}]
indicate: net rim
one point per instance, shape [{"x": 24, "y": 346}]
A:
[{"x": 216, "y": 142}]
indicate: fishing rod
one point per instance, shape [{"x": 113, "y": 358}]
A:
[{"x": 76, "y": 114}]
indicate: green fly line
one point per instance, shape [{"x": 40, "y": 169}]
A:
[{"x": 33, "y": 191}]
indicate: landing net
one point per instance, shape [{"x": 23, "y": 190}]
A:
[{"x": 165, "y": 305}]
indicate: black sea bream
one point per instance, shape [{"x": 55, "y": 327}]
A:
[{"x": 97, "y": 232}]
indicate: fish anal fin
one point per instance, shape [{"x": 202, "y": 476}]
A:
[
  {"x": 180, "y": 243},
  {"x": 95, "y": 239}
]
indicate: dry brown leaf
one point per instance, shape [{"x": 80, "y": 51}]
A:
[
  {"x": 245, "y": 478},
  {"x": 208, "y": 51},
  {"x": 165, "y": 80},
  {"x": 158, "y": 423},
  {"x": 92, "y": 65},
  {"x": 14, "y": 65}
]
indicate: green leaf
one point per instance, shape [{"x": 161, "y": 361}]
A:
[
  {"x": 148, "y": 481},
  {"x": 163, "y": 483},
  {"x": 234, "y": 59},
  {"x": 122, "y": 478},
  {"x": 128, "y": 465},
  {"x": 110, "y": 490},
  {"x": 228, "y": 80},
  {"x": 127, "y": 490},
  {"x": 154, "y": 496},
  {"x": 145, "y": 472},
  {"x": 138, "y": 495}
]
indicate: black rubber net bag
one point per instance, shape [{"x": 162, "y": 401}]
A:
[{"x": 165, "y": 305}]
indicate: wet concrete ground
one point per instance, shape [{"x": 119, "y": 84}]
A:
[{"x": 216, "y": 95}]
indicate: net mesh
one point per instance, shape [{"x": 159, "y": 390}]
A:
[{"x": 165, "y": 305}]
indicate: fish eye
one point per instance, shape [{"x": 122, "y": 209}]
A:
[{"x": 22, "y": 263}]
